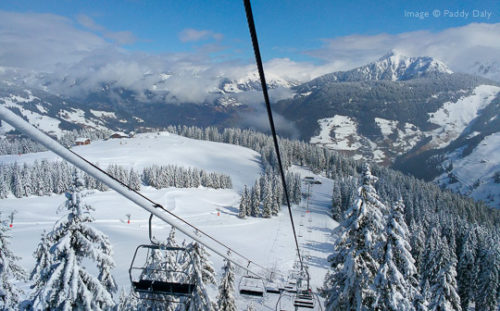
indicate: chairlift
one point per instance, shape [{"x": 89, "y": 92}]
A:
[
  {"x": 304, "y": 299},
  {"x": 272, "y": 288},
  {"x": 150, "y": 276},
  {"x": 251, "y": 286}
]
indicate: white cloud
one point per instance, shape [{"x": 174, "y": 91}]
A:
[
  {"x": 458, "y": 47},
  {"x": 120, "y": 37},
  {"x": 193, "y": 35},
  {"x": 42, "y": 41},
  {"x": 76, "y": 61}
]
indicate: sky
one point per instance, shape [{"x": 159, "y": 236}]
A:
[
  {"x": 287, "y": 28},
  {"x": 124, "y": 40}
]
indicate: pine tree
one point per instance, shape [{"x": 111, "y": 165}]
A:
[
  {"x": 267, "y": 200},
  {"x": 277, "y": 195},
  {"x": 126, "y": 302},
  {"x": 67, "y": 285},
  {"x": 10, "y": 272},
  {"x": 201, "y": 269},
  {"x": 355, "y": 257},
  {"x": 488, "y": 288},
  {"x": 134, "y": 182},
  {"x": 225, "y": 299},
  {"x": 395, "y": 283},
  {"x": 254, "y": 203},
  {"x": 243, "y": 212},
  {"x": 441, "y": 267},
  {"x": 336, "y": 202},
  {"x": 467, "y": 269},
  {"x": 40, "y": 273}
]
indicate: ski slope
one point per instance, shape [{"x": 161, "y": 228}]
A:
[{"x": 268, "y": 242}]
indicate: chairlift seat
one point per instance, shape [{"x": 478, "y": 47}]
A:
[
  {"x": 304, "y": 303},
  {"x": 273, "y": 290},
  {"x": 251, "y": 286},
  {"x": 167, "y": 282},
  {"x": 163, "y": 288}
]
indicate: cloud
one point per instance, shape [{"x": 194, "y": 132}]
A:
[
  {"x": 42, "y": 41},
  {"x": 76, "y": 61},
  {"x": 194, "y": 35},
  {"x": 120, "y": 37},
  {"x": 459, "y": 47}
]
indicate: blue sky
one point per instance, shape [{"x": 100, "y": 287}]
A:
[
  {"x": 287, "y": 28},
  {"x": 197, "y": 43}
]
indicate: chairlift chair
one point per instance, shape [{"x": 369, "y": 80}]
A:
[
  {"x": 272, "y": 288},
  {"x": 157, "y": 281},
  {"x": 304, "y": 299},
  {"x": 251, "y": 286}
]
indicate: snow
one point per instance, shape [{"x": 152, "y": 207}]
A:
[
  {"x": 344, "y": 130},
  {"x": 45, "y": 123},
  {"x": 77, "y": 116},
  {"x": 480, "y": 165},
  {"x": 454, "y": 117},
  {"x": 163, "y": 148},
  {"x": 267, "y": 241},
  {"x": 103, "y": 114},
  {"x": 406, "y": 138}
]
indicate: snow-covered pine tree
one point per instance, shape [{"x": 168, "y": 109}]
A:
[
  {"x": 225, "y": 299},
  {"x": 267, "y": 197},
  {"x": 395, "y": 284},
  {"x": 417, "y": 243},
  {"x": 355, "y": 257},
  {"x": 126, "y": 302},
  {"x": 487, "y": 296},
  {"x": 10, "y": 272},
  {"x": 467, "y": 268},
  {"x": 440, "y": 273},
  {"x": 68, "y": 285},
  {"x": 254, "y": 203},
  {"x": 278, "y": 195},
  {"x": 134, "y": 181},
  {"x": 40, "y": 273},
  {"x": 243, "y": 211},
  {"x": 336, "y": 202},
  {"x": 203, "y": 272}
]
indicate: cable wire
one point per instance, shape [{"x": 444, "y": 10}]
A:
[{"x": 260, "y": 67}]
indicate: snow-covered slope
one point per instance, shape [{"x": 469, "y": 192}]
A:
[
  {"x": 477, "y": 174},
  {"x": 163, "y": 148},
  {"x": 267, "y": 241},
  {"x": 453, "y": 117}
]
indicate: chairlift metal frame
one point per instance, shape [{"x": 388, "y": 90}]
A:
[
  {"x": 148, "y": 288},
  {"x": 256, "y": 291}
]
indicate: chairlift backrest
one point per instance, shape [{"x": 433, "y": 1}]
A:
[{"x": 153, "y": 277}]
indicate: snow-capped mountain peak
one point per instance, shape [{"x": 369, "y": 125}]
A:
[{"x": 394, "y": 66}]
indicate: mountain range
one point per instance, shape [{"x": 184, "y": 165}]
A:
[{"x": 410, "y": 113}]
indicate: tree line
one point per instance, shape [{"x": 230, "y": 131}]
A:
[{"x": 45, "y": 178}]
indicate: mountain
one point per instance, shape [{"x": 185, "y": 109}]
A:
[
  {"x": 391, "y": 67},
  {"x": 488, "y": 69},
  {"x": 409, "y": 113}
]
